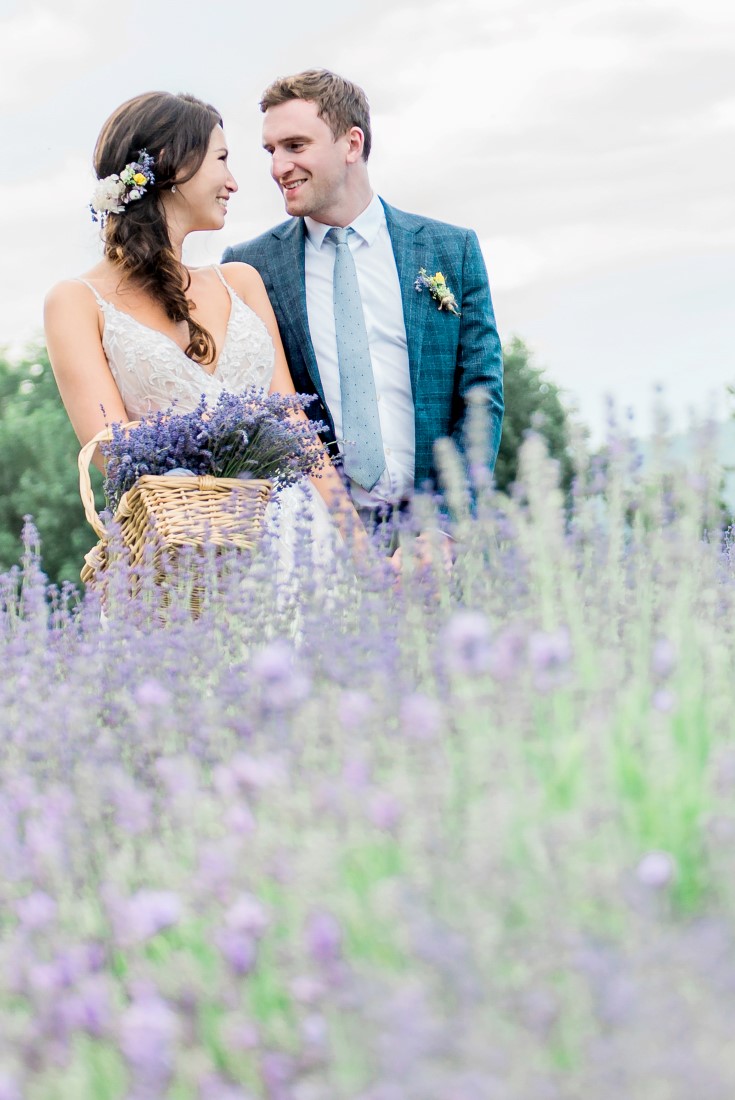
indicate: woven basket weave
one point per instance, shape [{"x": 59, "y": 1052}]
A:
[{"x": 169, "y": 513}]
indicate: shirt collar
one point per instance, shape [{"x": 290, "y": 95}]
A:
[{"x": 366, "y": 225}]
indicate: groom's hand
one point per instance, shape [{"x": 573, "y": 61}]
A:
[{"x": 428, "y": 549}]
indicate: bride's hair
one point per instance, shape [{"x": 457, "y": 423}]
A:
[{"x": 175, "y": 130}]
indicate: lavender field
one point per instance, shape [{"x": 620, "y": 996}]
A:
[{"x": 469, "y": 838}]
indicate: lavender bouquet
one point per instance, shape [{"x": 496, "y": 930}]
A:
[{"x": 248, "y": 434}]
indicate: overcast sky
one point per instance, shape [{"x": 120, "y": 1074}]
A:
[{"x": 590, "y": 143}]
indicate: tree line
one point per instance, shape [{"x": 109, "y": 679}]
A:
[{"x": 38, "y": 474}]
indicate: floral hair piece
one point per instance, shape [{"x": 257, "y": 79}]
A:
[{"x": 113, "y": 193}]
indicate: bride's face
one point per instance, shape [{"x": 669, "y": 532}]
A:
[{"x": 201, "y": 202}]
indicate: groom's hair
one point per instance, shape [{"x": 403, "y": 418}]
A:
[{"x": 341, "y": 103}]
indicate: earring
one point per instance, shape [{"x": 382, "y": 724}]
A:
[{"x": 173, "y": 189}]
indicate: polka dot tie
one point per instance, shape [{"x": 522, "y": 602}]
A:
[{"x": 364, "y": 459}]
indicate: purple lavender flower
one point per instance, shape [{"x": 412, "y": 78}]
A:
[
  {"x": 43, "y": 847},
  {"x": 45, "y": 979},
  {"x": 656, "y": 870},
  {"x": 384, "y": 811},
  {"x": 78, "y": 961},
  {"x": 146, "y": 914},
  {"x": 9, "y": 1087},
  {"x": 277, "y": 1071},
  {"x": 507, "y": 653},
  {"x": 314, "y": 1030},
  {"x": 239, "y": 950},
  {"x": 354, "y": 708},
  {"x": 178, "y": 775},
  {"x": 251, "y": 773},
  {"x": 90, "y": 1007},
  {"x": 148, "y": 1033},
  {"x": 308, "y": 989},
  {"x": 214, "y": 1087},
  {"x": 132, "y": 804},
  {"x": 421, "y": 717},
  {"x": 663, "y": 700},
  {"x": 540, "y": 1007},
  {"x": 283, "y": 682},
  {"x": 151, "y": 694},
  {"x": 240, "y": 819},
  {"x": 240, "y": 1033},
  {"x": 36, "y": 910},
  {"x": 217, "y": 866},
  {"x": 356, "y": 773},
  {"x": 548, "y": 650},
  {"x": 549, "y": 653},
  {"x": 247, "y": 914},
  {"x": 323, "y": 936},
  {"x": 466, "y": 643},
  {"x": 250, "y": 432},
  {"x": 663, "y": 658}
]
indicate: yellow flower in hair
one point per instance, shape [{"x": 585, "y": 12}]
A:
[{"x": 113, "y": 193}]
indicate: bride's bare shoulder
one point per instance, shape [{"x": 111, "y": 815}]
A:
[
  {"x": 74, "y": 293},
  {"x": 244, "y": 279},
  {"x": 69, "y": 296}
]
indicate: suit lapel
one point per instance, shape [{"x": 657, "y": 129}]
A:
[
  {"x": 405, "y": 238},
  {"x": 288, "y": 281}
]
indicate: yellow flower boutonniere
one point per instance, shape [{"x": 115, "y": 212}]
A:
[{"x": 437, "y": 287}]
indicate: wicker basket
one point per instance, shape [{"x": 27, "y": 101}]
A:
[{"x": 169, "y": 513}]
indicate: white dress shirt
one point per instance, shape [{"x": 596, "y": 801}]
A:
[{"x": 380, "y": 291}]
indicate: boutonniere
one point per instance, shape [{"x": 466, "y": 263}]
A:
[{"x": 437, "y": 287}]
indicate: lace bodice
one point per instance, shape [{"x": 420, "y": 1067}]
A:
[{"x": 152, "y": 372}]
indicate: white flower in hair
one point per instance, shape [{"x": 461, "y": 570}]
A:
[
  {"x": 107, "y": 195},
  {"x": 113, "y": 192}
]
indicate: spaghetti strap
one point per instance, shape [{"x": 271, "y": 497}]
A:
[
  {"x": 102, "y": 302},
  {"x": 222, "y": 279}
]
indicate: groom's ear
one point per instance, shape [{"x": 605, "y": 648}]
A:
[{"x": 356, "y": 139}]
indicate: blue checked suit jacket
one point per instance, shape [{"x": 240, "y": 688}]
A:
[{"x": 447, "y": 354}]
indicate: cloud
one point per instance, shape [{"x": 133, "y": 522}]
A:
[
  {"x": 526, "y": 118},
  {"x": 39, "y": 46}
]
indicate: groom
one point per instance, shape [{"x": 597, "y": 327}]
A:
[{"x": 391, "y": 364}]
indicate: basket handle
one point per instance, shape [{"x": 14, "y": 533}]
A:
[{"x": 85, "y": 481}]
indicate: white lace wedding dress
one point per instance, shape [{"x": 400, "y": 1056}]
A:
[{"x": 153, "y": 373}]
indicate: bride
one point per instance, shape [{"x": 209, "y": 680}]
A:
[{"x": 141, "y": 332}]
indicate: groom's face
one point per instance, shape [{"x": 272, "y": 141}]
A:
[{"x": 307, "y": 163}]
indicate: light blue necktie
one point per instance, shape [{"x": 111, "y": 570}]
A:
[{"x": 364, "y": 460}]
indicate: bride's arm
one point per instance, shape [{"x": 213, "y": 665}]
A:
[
  {"x": 247, "y": 282},
  {"x": 74, "y": 343}
]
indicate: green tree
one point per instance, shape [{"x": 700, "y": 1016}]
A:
[
  {"x": 38, "y": 474},
  {"x": 531, "y": 402}
]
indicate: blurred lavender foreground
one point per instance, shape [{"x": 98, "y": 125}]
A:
[{"x": 466, "y": 840}]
